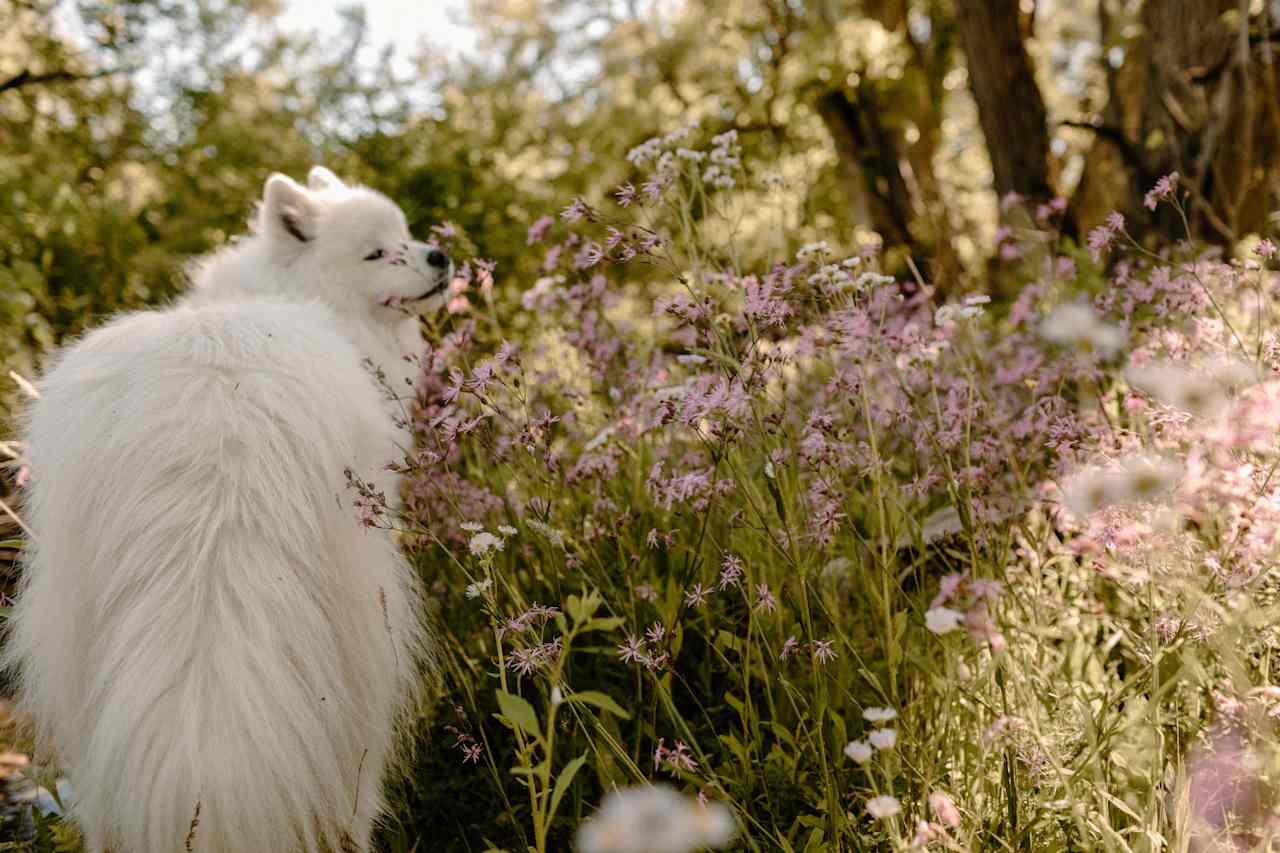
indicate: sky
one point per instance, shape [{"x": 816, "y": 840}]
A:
[{"x": 402, "y": 23}]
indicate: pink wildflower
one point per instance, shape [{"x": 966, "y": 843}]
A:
[
  {"x": 539, "y": 229},
  {"x": 1163, "y": 188}
]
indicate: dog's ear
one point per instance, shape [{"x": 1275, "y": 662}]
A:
[
  {"x": 320, "y": 179},
  {"x": 288, "y": 212}
]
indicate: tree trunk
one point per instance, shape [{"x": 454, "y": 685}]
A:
[
  {"x": 1196, "y": 95},
  {"x": 869, "y": 164},
  {"x": 1010, "y": 107}
]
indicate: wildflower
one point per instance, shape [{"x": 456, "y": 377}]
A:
[
  {"x": 625, "y": 194},
  {"x": 808, "y": 250},
  {"x": 970, "y": 309},
  {"x": 696, "y": 596},
  {"x": 471, "y": 753},
  {"x": 1203, "y": 392},
  {"x": 942, "y": 620},
  {"x": 1163, "y": 188},
  {"x": 730, "y": 571},
  {"x": 644, "y": 592},
  {"x": 633, "y": 650},
  {"x": 879, "y": 715},
  {"x": 655, "y": 818},
  {"x": 1099, "y": 239},
  {"x": 677, "y": 758},
  {"x": 656, "y": 633},
  {"x": 1077, "y": 325},
  {"x": 525, "y": 661},
  {"x": 789, "y": 646},
  {"x": 824, "y": 650},
  {"x": 944, "y": 809},
  {"x": 1265, "y": 249},
  {"x": 859, "y": 751},
  {"x": 884, "y": 807},
  {"x": 1139, "y": 479},
  {"x": 538, "y": 230},
  {"x": 764, "y": 599},
  {"x": 475, "y": 590},
  {"x": 870, "y": 279},
  {"x": 471, "y": 526},
  {"x": 484, "y": 542},
  {"x": 507, "y": 530},
  {"x": 883, "y": 738},
  {"x": 576, "y": 211}
]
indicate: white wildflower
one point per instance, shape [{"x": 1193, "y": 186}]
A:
[
  {"x": 870, "y": 279},
  {"x": 942, "y": 620},
  {"x": 484, "y": 542},
  {"x": 507, "y": 530},
  {"x": 471, "y": 526},
  {"x": 1078, "y": 325},
  {"x": 475, "y": 590},
  {"x": 655, "y": 819},
  {"x": 808, "y": 250},
  {"x": 879, "y": 715},
  {"x": 970, "y": 309},
  {"x": 859, "y": 751},
  {"x": 883, "y": 738},
  {"x": 1203, "y": 391},
  {"x": 1138, "y": 479},
  {"x": 882, "y": 808}
]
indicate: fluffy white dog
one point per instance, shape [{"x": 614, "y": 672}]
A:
[{"x": 209, "y": 640}]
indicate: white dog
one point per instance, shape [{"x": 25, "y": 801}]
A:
[{"x": 209, "y": 640}]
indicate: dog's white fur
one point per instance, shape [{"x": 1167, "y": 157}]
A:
[{"x": 205, "y": 628}]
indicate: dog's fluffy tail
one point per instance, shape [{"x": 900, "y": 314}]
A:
[{"x": 207, "y": 638}]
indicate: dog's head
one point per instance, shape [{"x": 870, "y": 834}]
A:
[{"x": 349, "y": 246}]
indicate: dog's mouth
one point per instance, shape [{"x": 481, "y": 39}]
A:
[
  {"x": 394, "y": 301},
  {"x": 430, "y": 292}
]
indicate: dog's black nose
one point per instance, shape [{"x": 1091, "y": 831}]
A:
[{"x": 437, "y": 259}]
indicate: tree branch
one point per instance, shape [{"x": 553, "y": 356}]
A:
[{"x": 26, "y": 78}]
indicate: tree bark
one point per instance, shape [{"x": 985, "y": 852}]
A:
[
  {"x": 869, "y": 164},
  {"x": 1010, "y": 107},
  {"x": 1196, "y": 95}
]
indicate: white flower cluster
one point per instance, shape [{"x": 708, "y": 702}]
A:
[
  {"x": 1138, "y": 479},
  {"x": 970, "y": 309},
  {"x": 655, "y": 819},
  {"x": 881, "y": 738},
  {"x": 1204, "y": 391},
  {"x": 726, "y": 157},
  {"x": 653, "y": 149},
  {"x": 1077, "y": 325}
]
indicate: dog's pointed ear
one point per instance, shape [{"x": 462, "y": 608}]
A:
[
  {"x": 288, "y": 212},
  {"x": 320, "y": 179}
]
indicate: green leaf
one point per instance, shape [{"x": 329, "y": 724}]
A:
[
  {"x": 519, "y": 712},
  {"x": 604, "y": 623},
  {"x": 599, "y": 700},
  {"x": 562, "y": 783},
  {"x": 815, "y": 841}
]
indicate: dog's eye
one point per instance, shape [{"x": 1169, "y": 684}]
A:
[{"x": 374, "y": 255}]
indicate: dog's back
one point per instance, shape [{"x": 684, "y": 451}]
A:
[{"x": 206, "y": 636}]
